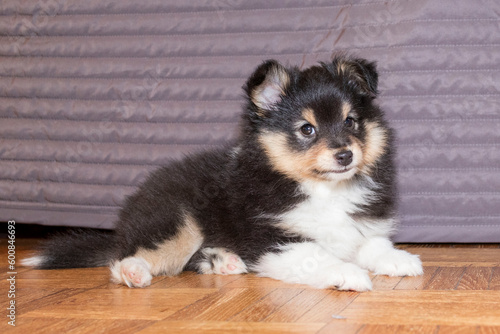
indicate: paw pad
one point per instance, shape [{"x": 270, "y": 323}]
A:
[{"x": 135, "y": 272}]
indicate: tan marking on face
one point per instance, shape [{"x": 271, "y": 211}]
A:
[
  {"x": 375, "y": 143},
  {"x": 308, "y": 115},
  {"x": 281, "y": 158},
  {"x": 293, "y": 164},
  {"x": 346, "y": 109},
  {"x": 357, "y": 152},
  {"x": 172, "y": 255},
  {"x": 299, "y": 166}
]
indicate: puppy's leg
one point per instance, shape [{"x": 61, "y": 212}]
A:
[
  {"x": 168, "y": 258},
  {"x": 379, "y": 256},
  {"x": 220, "y": 261},
  {"x": 308, "y": 263}
]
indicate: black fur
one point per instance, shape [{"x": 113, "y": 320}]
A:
[{"x": 234, "y": 192}]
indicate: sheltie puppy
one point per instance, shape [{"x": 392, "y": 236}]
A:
[{"x": 306, "y": 194}]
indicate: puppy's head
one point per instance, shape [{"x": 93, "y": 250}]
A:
[{"x": 319, "y": 123}]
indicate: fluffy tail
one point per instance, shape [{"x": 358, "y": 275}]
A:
[{"x": 77, "y": 249}]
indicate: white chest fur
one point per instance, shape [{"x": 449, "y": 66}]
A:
[{"x": 325, "y": 216}]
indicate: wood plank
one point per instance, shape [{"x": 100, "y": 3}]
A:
[
  {"x": 296, "y": 307},
  {"x": 474, "y": 245},
  {"x": 194, "y": 280},
  {"x": 417, "y": 282},
  {"x": 446, "y": 278},
  {"x": 341, "y": 327},
  {"x": 80, "y": 326},
  {"x": 375, "y": 329},
  {"x": 221, "y": 327},
  {"x": 33, "y": 299},
  {"x": 333, "y": 304},
  {"x": 382, "y": 282},
  {"x": 458, "y": 257},
  {"x": 417, "y": 329},
  {"x": 495, "y": 279},
  {"x": 64, "y": 278},
  {"x": 475, "y": 278},
  {"x": 221, "y": 305},
  {"x": 458, "y": 329},
  {"x": 389, "y": 329},
  {"x": 27, "y": 325},
  {"x": 141, "y": 304},
  {"x": 252, "y": 280},
  {"x": 488, "y": 330},
  {"x": 266, "y": 306},
  {"x": 464, "y": 307}
]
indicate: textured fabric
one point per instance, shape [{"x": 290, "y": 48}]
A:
[{"x": 95, "y": 94}]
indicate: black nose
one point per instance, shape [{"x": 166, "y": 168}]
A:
[{"x": 344, "y": 158}]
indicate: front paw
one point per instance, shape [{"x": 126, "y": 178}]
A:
[
  {"x": 398, "y": 263},
  {"x": 348, "y": 276}
]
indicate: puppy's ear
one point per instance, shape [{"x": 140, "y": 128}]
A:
[
  {"x": 359, "y": 73},
  {"x": 267, "y": 85}
]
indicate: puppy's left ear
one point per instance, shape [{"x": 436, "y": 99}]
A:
[
  {"x": 267, "y": 85},
  {"x": 359, "y": 73}
]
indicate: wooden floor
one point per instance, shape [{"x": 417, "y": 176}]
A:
[{"x": 459, "y": 293}]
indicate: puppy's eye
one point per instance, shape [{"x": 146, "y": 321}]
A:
[
  {"x": 307, "y": 130},
  {"x": 349, "y": 123}
]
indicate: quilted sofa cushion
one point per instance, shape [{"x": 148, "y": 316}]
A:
[{"x": 95, "y": 94}]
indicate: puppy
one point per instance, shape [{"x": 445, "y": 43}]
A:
[{"x": 305, "y": 195}]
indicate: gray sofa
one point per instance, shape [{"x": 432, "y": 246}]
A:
[{"x": 95, "y": 94}]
